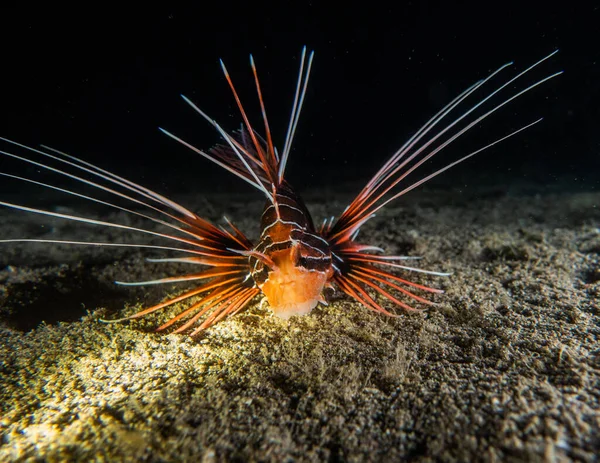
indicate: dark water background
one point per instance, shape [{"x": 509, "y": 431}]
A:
[{"x": 98, "y": 83}]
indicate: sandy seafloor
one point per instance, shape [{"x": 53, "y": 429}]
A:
[{"x": 505, "y": 368}]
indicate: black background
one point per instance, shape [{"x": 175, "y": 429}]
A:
[{"x": 98, "y": 81}]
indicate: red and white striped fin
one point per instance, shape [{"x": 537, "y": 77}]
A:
[
  {"x": 245, "y": 153},
  {"x": 425, "y": 144}
]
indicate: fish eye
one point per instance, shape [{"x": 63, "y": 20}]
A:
[{"x": 302, "y": 261}]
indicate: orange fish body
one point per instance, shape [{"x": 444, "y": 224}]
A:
[{"x": 300, "y": 259}]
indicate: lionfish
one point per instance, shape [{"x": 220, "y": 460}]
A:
[{"x": 293, "y": 261}]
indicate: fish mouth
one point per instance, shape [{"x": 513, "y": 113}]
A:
[
  {"x": 295, "y": 291},
  {"x": 298, "y": 308}
]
